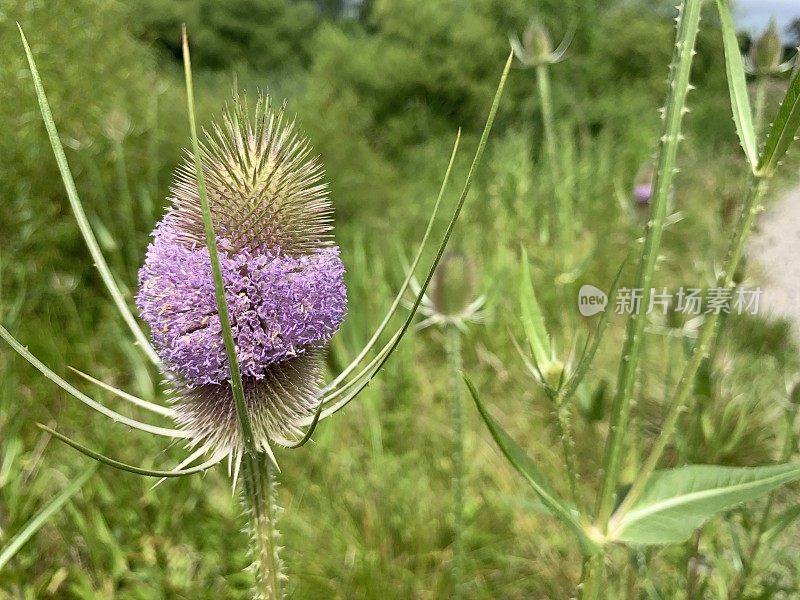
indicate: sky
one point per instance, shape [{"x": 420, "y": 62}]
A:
[{"x": 755, "y": 14}]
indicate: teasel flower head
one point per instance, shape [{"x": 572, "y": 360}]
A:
[
  {"x": 536, "y": 39},
  {"x": 256, "y": 200},
  {"x": 452, "y": 300},
  {"x": 282, "y": 274},
  {"x": 536, "y": 46},
  {"x": 766, "y": 54},
  {"x": 116, "y": 125}
]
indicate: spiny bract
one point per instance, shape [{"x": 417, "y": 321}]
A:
[{"x": 284, "y": 281}]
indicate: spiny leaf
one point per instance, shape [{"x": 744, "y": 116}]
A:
[
  {"x": 406, "y": 283},
  {"x": 380, "y": 360},
  {"x": 783, "y": 130},
  {"x": 76, "y": 393},
  {"x": 675, "y": 502}
]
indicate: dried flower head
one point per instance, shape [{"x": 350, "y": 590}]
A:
[{"x": 283, "y": 278}]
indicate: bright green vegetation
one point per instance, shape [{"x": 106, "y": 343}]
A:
[{"x": 368, "y": 506}]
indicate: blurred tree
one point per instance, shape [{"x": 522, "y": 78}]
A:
[
  {"x": 793, "y": 31},
  {"x": 121, "y": 125},
  {"x": 262, "y": 34}
]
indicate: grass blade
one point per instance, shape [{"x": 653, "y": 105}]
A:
[
  {"x": 40, "y": 518},
  {"x": 569, "y": 388},
  {"x": 532, "y": 318},
  {"x": 80, "y": 216}
]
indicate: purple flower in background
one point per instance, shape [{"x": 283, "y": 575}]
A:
[
  {"x": 284, "y": 281},
  {"x": 643, "y": 192}
]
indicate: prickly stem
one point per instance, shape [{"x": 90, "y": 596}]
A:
[{"x": 680, "y": 71}]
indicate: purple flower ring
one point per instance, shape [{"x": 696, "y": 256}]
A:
[{"x": 279, "y": 306}]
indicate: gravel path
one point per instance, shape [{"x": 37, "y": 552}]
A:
[{"x": 775, "y": 250}]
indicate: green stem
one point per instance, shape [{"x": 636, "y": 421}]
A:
[
  {"x": 260, "y": 499},
  {"x": 453, "y": 351},
  {"x": 548, "y": 123},
  {"x": 256, "y": 475},
  {"x": 567, "y": 449},
  {"x": 688, "y": 27},
  {"x": 593, "y": 577},
  {"x": 752, "y": 206}
]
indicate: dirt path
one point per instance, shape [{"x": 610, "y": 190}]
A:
[{"x": 775, "y": 250}]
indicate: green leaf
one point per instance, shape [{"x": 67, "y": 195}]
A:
[
  {"x": 525, "y": 465},
  {"x": 783, "y": 130},
  {"x": 40, "y": 518},
  {"x": 130, "y": 468},
  {"x": 675, "y": 502},
  {"x": 80, "y": 215},
  {"x": 737, "y": 85},
  {"x": 532, "y": 318}
]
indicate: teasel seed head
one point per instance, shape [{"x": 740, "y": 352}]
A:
[
  {"x": 536, "y": 40},
  {"x": 116, "y": 125},
  {"x": 536, "y": 46},
  {"x": 766, "y": 53},
  {"x": 452, "y": 299},
  {"x": 453, "y": 285},
  {"x": 283, "y": 279}
]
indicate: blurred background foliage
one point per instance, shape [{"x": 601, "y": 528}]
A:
[{"x": 380, "y": 87}]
